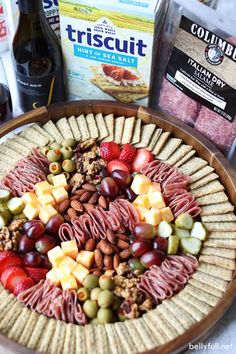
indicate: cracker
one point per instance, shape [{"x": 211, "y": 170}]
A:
[
  {"x": 45, "y": 341},
  {"x": 64, "y": 128},
  {"x": 210, "y": 280},
  {"x": 211, "y": 187},
  {"x": 185, "y": 158},
  {"x": 102, "y": 128},
  {"x": 154, "y": 139},
  {"x": 202, "y": 172},
  {"x": 222, "y": 235},
  {"x": 69, "y": 339},
  {"x": 160, "y": 143},
  {"x": 219, "y": 261},
  {"x": 205, "y": 287},
  {"x": 18, "y": 147},
  {"x": 128, "y": 130},
  {"x": 221, "y": 226},
  {"x": 74, "y": 128},
  {"x": 169, "y": 330},
  {"x": 129, "y": 344},
  {"x": 11, "y": 160},
  {"x": 28, "y": 329},
  {"x": 81, "y": 121},
  {"x": 110, "y": 124},
  {"x": 218, "y": 243},
  {"x": 92, "y": 126},
  {"x": 213, "y": 198},
  {"x": 43, "y": 132},
  {"x": 113, "y": 339},
  {"x": 5, "y": 167},
  {"x": 195, "y": 302},
  {"x": 218, "y": 272},
  {"x": 10, "y": 152},
  {"x": 58, "y": 338},
  {"x": 34, "y": 136},
  {"x": 219, "y": 217},
  {"x": 137, "y": 131},
  {"x": 101, "y": 339},
  {"x": 183, "y": 317},
  {"x": 10, "y": 317},
  {"x": 203, "y": 181},
  {"x": 192, "y": 166},
  {"x": 221, "y": 252},
  {"x": 143, "y": 341},
  {"x": 22, "y": 141},
  {"x": 170, "y": 318},
  {"x": 52, "y": 130},
  {"x": 119, "y": 128},
  {"x": 128, "y": 97},
  {"x": 169, "y": 148},
  {"x": 188, "y": 308},
  {"x": 18, "y": 327},
  {"x": 180, "y": 152},
  {"x": 216, "y": 209},
  {"x": 202, "y": 296},
  {"x": 152, "y": 327},
  {"x": 38, "y": 330},
  {"x": 147, "y": 131}
]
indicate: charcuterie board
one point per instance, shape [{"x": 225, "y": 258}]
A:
[{"x": 194, "y": 311}]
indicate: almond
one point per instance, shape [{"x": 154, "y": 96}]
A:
[
  {"x": 108, "y": 262},
  {"x": 85, "y": 197},
  {"x": 75, "y": 204},
  {"x": 116, "y": 261},
  {"x": 105, "y": 247},
  {"x": 102, "y": 202},
  {"x": 72, "y": 213},
  {"x": 98, "y": 273},
  {"x": 98, "y": 258},
  {"x": 89, "y": 187},
  {"x": 123, "y": 237},
  {"x": 67, "y": 218},
  {"x": 75, "y": 197},
  {"x": 63, "y": 206},
  {"x": 90, "y": 245},
  {"x": 88, "y": 207},
  {"x": 111, "y": 237},
  {"x": 125, "y": 254},
  {"x": 94, "y": 198},
  {"x": 122, "y": 244},
  {"x": 115, "y": 248},
  {"x": 79, "y": 192}
]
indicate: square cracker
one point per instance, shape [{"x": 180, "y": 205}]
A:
[
  {"x": 211, "y": 280},
  {"x": 217, "y": 208},
  {"x": 203, "y": 172},
  {"x": 34, "y": 136},
  {"x": 43, "y": 132},
  {"x": 203, "y": 181},
  {"x": 202, "y": 296},
  {"x": 160, "y": 143},
  {"x": 102, "y": 128},
  {"x": 20, "y": 140},
  {"x": 119, "y": 128},
  {"x": 52, "y": 130},
  {"x": 74, "y": 128},
  {"x": 92, "y": 126},
  {"x": 7, "y": 151},
  {"x": 221, "y": 243},
  {"x": 220, "y": 252},
  {"x": 211, "y": 187},
  {"x": 12, "y": 144},
  {"x": 169, "y": 148},
  {"x": 147, "y": 131},
  {"x": 213, "y": 198},
  {"x": 110, "y": 124},
  {"x": 205, "y": 287},
  {"x": 187, "y": 157},
  {"x": 82, "y": 124},
  {"x": 219, "y": 261},
  {"x": 137, "y": 131},
  {"x": 180, "y": 152},
  {"x": 193, "y": 165},
  {"x": 227, "y": 235},
  {"x": 155, "y": 136},
  {"x": 64, "y": 128},
  {"x": 183, "y": 317},
  {"x": 5, "y": 167},
  {"x": 128, "y": 130},
  {"x": 11, "y": 160},
  {"x": 188, "y": 308},
  {"x": 128, "y": 97},
  {"x": 218, "y": 217},
  {"x": 171, "y": 318},
  {"x": 221, "y": 226}
]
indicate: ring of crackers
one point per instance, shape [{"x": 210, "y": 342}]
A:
[{"x": 175, "y": 321}]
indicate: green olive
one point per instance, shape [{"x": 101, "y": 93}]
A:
[
  {"x": 94, "y": 321},
  {"x": 68, "y": 143},
  {"x": 83, "y": 294},
  {"x": 55, "y": 168},
  {"x": 116, "y": 303},
  {"x": 44, "y": 150},
  {"x": 90, "y": 308},
  {"x": 49, "y": 178},
  {"x": 105, "y": 298},
  {"x": 106, "y": 283},
  {"x": 54, "y": 155},
  {"x": 105, "y": 316},
  {"x": 67, "y": 175},
  {"x": 55, "y": 146},
  {"x": 90, "y": 281},
  {"x": 68, "y": 165},
  {"x": 67, "y": 153},
  {"x": 94, "y": 293}
]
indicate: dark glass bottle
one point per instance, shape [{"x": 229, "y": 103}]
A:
[{"x": 37, "y": 58}]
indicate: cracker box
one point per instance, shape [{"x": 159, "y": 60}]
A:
[{"x": 108, "y": 47}]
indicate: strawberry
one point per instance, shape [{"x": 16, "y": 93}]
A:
[
  {"x": 36, "y": 274},
  {"x": 127, "y": 153},
  {"x": 118, "y": 165},
  {"x": 141, "y": 158},
  {"x": 23, "y": 285},
  {"x": 109, "y": 151},
  {"x": 8, "y": 259},
  {"x": 11, "y": 276}
]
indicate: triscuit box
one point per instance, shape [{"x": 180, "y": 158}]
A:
[{"x": 108, "y": 47}]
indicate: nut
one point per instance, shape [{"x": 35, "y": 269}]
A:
[
  {"x": 111, "y": 237},
  {"x": 67, "y": 218},
  {"x": 88, "y": 207},
  {"x": 85, "y": 197},
  {"x": 63, "y": 206},
  {"x": 98, "y": 273},
  {"x": 79, "y": 192},
  {"x": 89, "y": 187},
  {"x": 105, "y": 247},
  {"x": 98, "y": 258},
  {"x": 94, "y": 198},
  {"x": 125, "y": 254},
  {"x": 72, "y": 213},
  {"x": 75, "y": 197},
  {"x": 123, "y": 237},
  {"x": 116, "y": 261},
  {"x": 108, "y": 262},
  {"x": 75, "y": 204},
  {"x": 102, "y": 202},
  {"x": 115, "y": 248},
  {"x": 90, "y": 245},
  {"x": 122, "y": 244}
]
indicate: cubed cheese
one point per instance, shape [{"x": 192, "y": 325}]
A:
[
  {"x": 69, "y": 283},
  {"x": 141, "y": 211},
  {"x": 55, "y": 256},
  {"x": 67, "y": 265},
  {"x": 59, "y": 181},
  {"x": 43, "y": 188},
  {"x": 156, "y": 200},
  {"x": 69, "y": 248},
  {"x": 153, "y": 217},
  {"x": 46, "y": 199},
  {"x": 80, "y": 272},
  {"x": 154, "y": 187},
  {"x": 29, "y": 197},
  {"x": 166, "y": 214},
  {"x": 46, "y": 213},
  {"x": 142, "y": 200},
  {"x": 140, "y": 184},
  {"x": 85, "y": 258},
  {"x": 59, "y": 273},
  {"x": 53, "y": 276},
  {"x": 32, "y": 209},
  {"x": 60, "y": 194}
]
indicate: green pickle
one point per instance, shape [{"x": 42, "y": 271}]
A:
[
  {"x": 184, "y": 221},
  {"x": 15, "y": 205},
  {"x": 4, "y": 195},
  {"x": 165, "y": 229},
  {"x": 191, "y": 245},
  {"x": 173, "y": 244},
  {"x": 199, "y": 231},
  {"x": 181, "y": 232}
]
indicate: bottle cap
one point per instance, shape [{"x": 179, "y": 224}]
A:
[{"x": 30, "y": 6}]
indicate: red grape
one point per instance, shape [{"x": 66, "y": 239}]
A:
[
  {"x": 130, "y": 194},
  {"x": 45, "y": 244},
  {"x": 45, "y": 262},
  {"x": 25, "y": 244},
  {"x": 152, "y": 258},
  {"x": 135, "y": 264},
  {"x": 30, "y": 223},
  {"x": 144, "y": 230},
  {"x": 160, "y": 243},
  {"x": 35, "y": 231},
  {"x": 54, "y": 224},
  {"x": 139, "y": 247},
  {"x": 103, "y": 173},
  {"x": 32, "y": 259},
  {"x": 122, "y": 178},
  {"x": 109, "y": 188}
]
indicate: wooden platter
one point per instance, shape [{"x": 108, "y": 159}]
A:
[{"x": 200, "y": 329}]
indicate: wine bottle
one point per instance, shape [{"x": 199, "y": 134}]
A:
[{"x": 37, "y": 58}]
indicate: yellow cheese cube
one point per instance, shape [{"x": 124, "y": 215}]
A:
[
  {"x": 59, "y": 181},
  {"x": 69, "y": 248},
  {"x": 29, "y": 197},
  {"x": 141, "y": 211},
  {"x": 69, "y": 283},
  {"x": 55, "y": 256},
  {"x": 60, "y": 194},
  {"x": 32, "y": 209},
  {"x": 53, "y": 276},
  {"x": 154, "y": 187},
  {"x": 59, "y": 273},
  {"x": 46, "y": 199},
  {"x": 85, "y": 258},
  {"x": 142, "y": 200},
  {"x": 153, "y": 217},
  {"x": 156, "y": 200},
  {"x": 80, "y": 272},
  {"x": 140, "y": 184},
  {"x": 43, "y": 188},
  {"x": 166, "y": 214},
  {"x": 67, "y": 265},
  {"x": 46, "y": 213}
]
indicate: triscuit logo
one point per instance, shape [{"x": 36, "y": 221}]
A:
[{"x": 214, "y": 54}]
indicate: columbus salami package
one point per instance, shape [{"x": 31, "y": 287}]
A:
[
  {"x": 196, "y": 71},
  {"x": 3, "y": 31}
]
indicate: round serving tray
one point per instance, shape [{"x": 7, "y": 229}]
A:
[{"x": 204, "y": 149}]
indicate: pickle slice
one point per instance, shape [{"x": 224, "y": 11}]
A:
[
  {"x": 182, "y": 233},
  {"x": 5, "y": 216},
  {"x": 15, "y": 205},
  {"x": 184, "y": 221},
  {"x": 191, "y": 245},
  {"x": 173, "y": 244},
  {"x": 4, "y": 195},
  {"x": 165, "y": 229},
  {"x": 199, "y": 231}
]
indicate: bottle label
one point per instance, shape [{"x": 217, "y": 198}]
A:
[
  {"x": 3, "y": 31},
  {"x": 35, "y": 92}
]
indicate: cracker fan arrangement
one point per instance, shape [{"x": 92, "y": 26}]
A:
[{"x": 113, "y": 229}]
